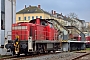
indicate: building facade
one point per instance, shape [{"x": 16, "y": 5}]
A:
[
  {"x": 30, "y": 13},
  {"x": 88, "y": 26}
]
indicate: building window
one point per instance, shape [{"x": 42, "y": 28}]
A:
[
  {"x": 24, "y": 18},
  {"x": 19, "y": 18},
  {"x": 36, "y": 16},
  {"x": 32, "y": 17},
  {"x": 28, "y": 17},
  {"x": 40, "y": 17},
  {"x": 1, "y": 24}
]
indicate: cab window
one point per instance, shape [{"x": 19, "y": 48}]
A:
[
  {"x": 51, "y": 26},
  {"x": 44, "y": 23}
]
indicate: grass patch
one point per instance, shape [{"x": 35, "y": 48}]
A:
[
  {"x": 2, "y": 56},
  {"x": 88, "y": 49}
]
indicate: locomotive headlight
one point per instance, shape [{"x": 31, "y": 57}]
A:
[
  {"x": 30, "y": 37},
  {"x": 5, "y": 38}
]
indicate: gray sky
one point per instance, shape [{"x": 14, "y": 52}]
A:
[{"x": 80, "y": 7}]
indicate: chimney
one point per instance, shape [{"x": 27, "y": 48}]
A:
[
  {"x": 61, "y": 14},
  {"x": 29, "y": 5},
  {"x": 54, "y": 12},
  {"x": 38, "y": 6},
  {"x": 65, "y": 16},
  {"x": 25, "y": 6}
]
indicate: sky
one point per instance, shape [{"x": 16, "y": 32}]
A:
[{"x": 80, "y": 7}]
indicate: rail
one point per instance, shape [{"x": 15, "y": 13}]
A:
[{"x": 77, "y": 58}]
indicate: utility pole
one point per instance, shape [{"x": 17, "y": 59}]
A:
[
  {"x": 12, "y": 11},
  {"x": 11, "y": 14}
]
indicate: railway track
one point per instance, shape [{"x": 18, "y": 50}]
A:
[
  {"x": 50, "y": 56},
  {"x": 79, "y": 57},
  {"x": 26, "y": 56}
]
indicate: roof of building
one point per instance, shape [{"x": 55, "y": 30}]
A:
[
  {"x": 82, "y": 21},
  {"x": 32, "y": 9},
  {"x": 60, "y": 16}
]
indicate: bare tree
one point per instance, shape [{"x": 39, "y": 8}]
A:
[
  {"x": 71, "y": 18},
  {"x": 88, "y": 28},
  {"x": 72, "y": 15}
]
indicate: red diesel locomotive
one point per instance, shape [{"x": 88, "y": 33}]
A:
[
  {"x": 38, "y": 35},
  {"x": 87, "y": 37}
]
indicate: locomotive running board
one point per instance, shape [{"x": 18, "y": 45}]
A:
[{"x": 30, "y": 44}]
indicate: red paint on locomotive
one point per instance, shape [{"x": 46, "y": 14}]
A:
[
  {"x": 39, "y": 29},
  {"x": 87, "y": 37}
]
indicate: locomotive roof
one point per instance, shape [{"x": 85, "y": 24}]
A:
[{"x": 47, "y": 20}]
